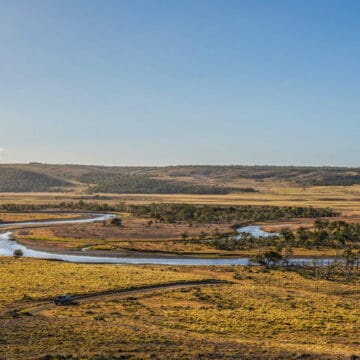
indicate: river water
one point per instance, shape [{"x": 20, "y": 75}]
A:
[{"x": 7, "y": 247}]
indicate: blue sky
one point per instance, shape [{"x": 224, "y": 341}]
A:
[{"x": 180, "y": 82}]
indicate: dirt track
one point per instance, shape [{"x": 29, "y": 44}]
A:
[{"x": 36, "y": 307}]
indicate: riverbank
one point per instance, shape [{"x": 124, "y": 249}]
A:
[
  {"x": 129, "y": 250},
  {"x": 9, "y": 245}
]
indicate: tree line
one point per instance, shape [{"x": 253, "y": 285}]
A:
[
  {"x": 237, "y": 215},
  {"x": 170, "y": 213}
]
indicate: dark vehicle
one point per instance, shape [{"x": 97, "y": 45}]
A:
[{"x": 63, "y": 300}]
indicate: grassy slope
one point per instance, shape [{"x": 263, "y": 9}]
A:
[{"x": 18, "y": 180}]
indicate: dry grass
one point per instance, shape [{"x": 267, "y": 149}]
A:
[
  {"x": 32, "y": 216},
  {"x": 263, "y": 315},
  {"x": 338, "y": 197},
  {"x": 39, "y": 279}
]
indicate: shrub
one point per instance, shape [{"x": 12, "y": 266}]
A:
[
  {"x": 116, "y": 221},
  {"x": 18, "y": 253}
]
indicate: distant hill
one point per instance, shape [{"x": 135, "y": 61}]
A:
[
  {"x": 140, "y": 184},
  {"x": 196, "y": 179},
  {"x": 17, "y": 180}
]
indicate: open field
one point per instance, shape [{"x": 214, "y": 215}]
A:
[
  {"x": 345, "y": 199},
  {"x": 40, "y": 279},
  {"x": 272, "y": 315}
]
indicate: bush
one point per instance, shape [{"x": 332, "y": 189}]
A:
[
  {"x": 116, "y": 221},
  {"x": 269, "y": 259},
  {"x": 18, "y": 253}
]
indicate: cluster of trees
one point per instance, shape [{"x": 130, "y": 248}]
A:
[
  {"x": 225, "y": 214},
  {"x": 343, "y": 267},
  {"x": 139, "y": 184},
  {"x": 18, "y": 180},
  {"x": 329, "y": 234},
  {"x": 335, "y": 234},
  {"x": 170, "y": 213}
]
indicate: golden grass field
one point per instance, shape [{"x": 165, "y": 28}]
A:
[
  {"x": 260, "y": 315},
  {"x": 39, "y": 279}
]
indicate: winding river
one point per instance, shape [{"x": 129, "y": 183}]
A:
[{"x": 7, "y": 247}]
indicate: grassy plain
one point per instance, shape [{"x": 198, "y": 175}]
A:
[
  {"x": 41, "y": 279},
  {"x": 260, "y": 315},
  {"x": 342, "y": 198}
]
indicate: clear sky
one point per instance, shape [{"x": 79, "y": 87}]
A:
[{"x": 180, "y": 82}]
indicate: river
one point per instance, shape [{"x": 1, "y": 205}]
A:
[{"x": 7, "y": 247}]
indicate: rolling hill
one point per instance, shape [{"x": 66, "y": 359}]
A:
[
  {"x": 17, "y": 180},
  {"x": 196, "y": 179}
]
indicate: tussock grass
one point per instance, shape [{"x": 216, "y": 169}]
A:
[{"x": 262, "y": 315}]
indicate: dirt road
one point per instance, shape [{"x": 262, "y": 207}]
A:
[{"x": 36, "y": 307}]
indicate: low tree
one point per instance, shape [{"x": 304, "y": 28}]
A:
[
  {"x": 288, "y": 254},
  {"x": 288, "y": 236},
  {"x": 302, "y": 235},
  {"x": 350, "y": 258},
  {"x": 269, "y": 258}
]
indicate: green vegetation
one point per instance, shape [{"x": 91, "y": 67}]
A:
[
  {"x": 18, "y": 253},
  {"x": 333, "y": 234},
  {"x": 339, "y": 235},
  {"x": 241, "y": 214},
  {"x": 170, "y": 213}
]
